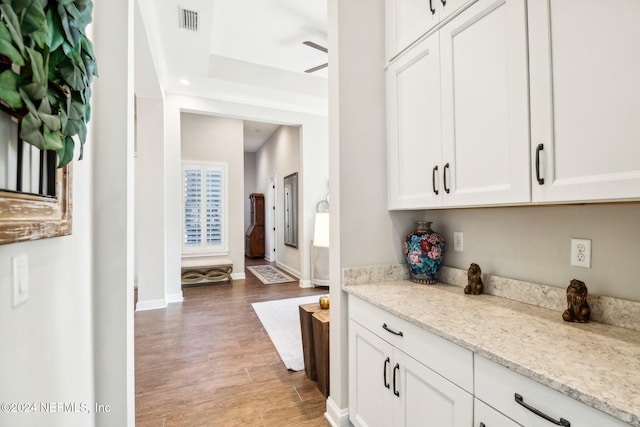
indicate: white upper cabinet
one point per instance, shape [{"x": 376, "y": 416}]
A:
[
  {"x": 457, "y": 111},
  {"x": 408, "y": 20},
  {"x": 585, "y": 100},
  {"x": 485, "y": 105},
  {"x": 413, "y": 120}
]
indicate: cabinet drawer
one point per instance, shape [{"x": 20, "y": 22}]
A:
[
  {"x": 498, "y": 387},
  {"x": 485, "y": 416},
  {"x": 440, "y": 355}
]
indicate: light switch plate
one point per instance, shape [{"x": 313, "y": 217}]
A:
[{"x": 20, "y": 278}]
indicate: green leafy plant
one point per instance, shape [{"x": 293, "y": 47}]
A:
[{"x": 49, "y": 64}]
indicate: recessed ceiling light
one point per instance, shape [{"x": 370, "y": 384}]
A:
[{"x": 185, "y": 82}]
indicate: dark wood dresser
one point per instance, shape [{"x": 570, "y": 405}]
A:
[{"x": 254, "y": 238}]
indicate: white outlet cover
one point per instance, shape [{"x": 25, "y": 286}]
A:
[
  {"x": 458, "y": 241},
  {"x": 581, "y": 253}
]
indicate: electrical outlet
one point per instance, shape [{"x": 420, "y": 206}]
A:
[
  {"x": 458, "y": 242},
  {"x": 581, "y": 253}
]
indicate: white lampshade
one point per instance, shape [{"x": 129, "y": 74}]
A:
[{"x": 321, "y": 230}]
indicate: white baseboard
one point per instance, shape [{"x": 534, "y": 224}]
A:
[
  {"x": 306, "y": 284},
  {"x": 336, "y": 416},
  {"x": 288, "y": 270},
  {"x": 174, "y": 297},
  {"x": 238, "y": 276},
  {"x": 152, "y": 304}
]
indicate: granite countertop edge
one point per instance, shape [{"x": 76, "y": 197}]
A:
[{"x": 490, "y": 315}]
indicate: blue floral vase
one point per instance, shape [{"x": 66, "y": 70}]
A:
[{"x": 424, "y": 249}]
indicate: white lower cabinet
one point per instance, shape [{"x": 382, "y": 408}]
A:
[
  {"x": 403, "y": 375},
  {"x": 388, "y": 387},
  {"x": 485, "y": 416},
  {"x": 532, "y": 404}
]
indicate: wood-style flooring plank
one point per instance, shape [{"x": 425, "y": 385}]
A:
[{"x": 209, "y": 362}]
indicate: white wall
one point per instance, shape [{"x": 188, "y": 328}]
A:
[
  {"x": 218, "y": 139},
  {"x": 112, "y": 213},
  {"x": 363, "y": 232},
  {"x": 72, "y": 341},
  {"x": 149, "y": 204},
  {"x": 533, "y": 243},
  {"x": 47, "y": 343},
  {"x": 314, "y": 135},
  {"x": 279, "y": 156}
]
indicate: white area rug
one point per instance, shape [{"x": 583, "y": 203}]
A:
[
  {"x": 281, "y": 319},
  {"x": 269, "y": 274}
]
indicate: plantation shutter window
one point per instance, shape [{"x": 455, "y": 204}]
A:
[{"x": 204, "y": 208}]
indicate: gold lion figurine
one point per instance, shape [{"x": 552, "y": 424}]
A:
[
  {"x": 474, "y": 276},
  {"x": 577, "y": 305}
]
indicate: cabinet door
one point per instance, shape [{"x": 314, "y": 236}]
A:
[
  {"x": 406, "y": 21},
  {"x": 370, "y": 377},
  {"x": 585, "y": 99},
  {"x": 427, "y": 399},
  {"x": 413, "y": 119},
  {"x": 485, "y": 105}
]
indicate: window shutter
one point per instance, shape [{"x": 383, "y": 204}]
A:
[
  {"x": 215, "y": 205},
  {"x": 192, "y": 207},
  {"x": 204, "y": 197}
]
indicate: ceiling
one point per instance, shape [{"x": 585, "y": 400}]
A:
[{"x": 248, "y": 51}]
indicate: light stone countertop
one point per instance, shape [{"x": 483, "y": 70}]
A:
[{"x": 594, "y": 363}]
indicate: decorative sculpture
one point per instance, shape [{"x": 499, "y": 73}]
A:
[
  {"x": 474, "y": 276},
  {"x": 577, "y": 305}
]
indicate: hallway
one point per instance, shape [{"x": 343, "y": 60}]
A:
[{"x": 209, "y": 362}]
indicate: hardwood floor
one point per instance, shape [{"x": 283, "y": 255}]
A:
[{"x": 208, "y": 362}]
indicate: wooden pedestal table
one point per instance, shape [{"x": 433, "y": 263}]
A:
[
  {"x": 306, "y": 312},
  {"x": 320, "y": 321}
]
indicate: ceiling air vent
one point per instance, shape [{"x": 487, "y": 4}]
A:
[{"x": 188, "y": 19}]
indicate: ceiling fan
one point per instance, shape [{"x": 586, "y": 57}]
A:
[{"x": 321, "y": 48}]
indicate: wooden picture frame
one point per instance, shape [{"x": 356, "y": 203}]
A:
[{"x": 25, "y": 216}]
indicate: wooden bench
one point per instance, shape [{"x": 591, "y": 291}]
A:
[{"x": 206, "y": 269}]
